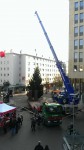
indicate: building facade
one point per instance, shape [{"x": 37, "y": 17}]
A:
[
  {"x": 76, "y": 43},
  {"x": 19, "y": 68}
]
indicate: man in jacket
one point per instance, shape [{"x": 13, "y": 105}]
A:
[{"x": 38, "y": 146}]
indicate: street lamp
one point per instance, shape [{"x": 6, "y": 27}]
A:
[{"x": 72, "y": 103}]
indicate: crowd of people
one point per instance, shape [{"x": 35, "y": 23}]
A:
[
  {"x": 40, "y": 147},
  {"x": 36, "y": 120},
  {"x": 14, "y": 124}
]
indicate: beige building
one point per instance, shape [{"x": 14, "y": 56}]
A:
[{"x": 76, "y": 43}]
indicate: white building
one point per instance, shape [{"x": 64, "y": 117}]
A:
[{"x": 19, "y": 68}]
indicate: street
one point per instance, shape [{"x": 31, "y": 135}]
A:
[{"x": 26, "y": 139}]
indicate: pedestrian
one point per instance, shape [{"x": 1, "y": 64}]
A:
[
  {"x": 70, "y": 128},
  {"x": 5, "y": 127},
  {"x": 19, "y": 120},
  {"x": 39, "y": 120},
  {"x": 10, "y": 123},
  {"x": 13, "y": 126},
  {"x": 33, "y": 124},
  {"x": 46, "y": 147},
  {"x": 38, "y": 146},
  {"x": 21, "y": 117},
  {"x": 17, "y": 127}
]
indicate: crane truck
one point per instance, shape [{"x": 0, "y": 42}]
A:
[{"x": 69, "y": 96}]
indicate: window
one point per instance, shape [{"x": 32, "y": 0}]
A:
[
  {"x": 28, "y": 75},
  {"x": 81, "y": 4},
  {"x": 76, "y": 18},
  {"x": 75, "y": 67},
  {"x": 76, "y": 6},
  {"x": 75, "y": 57},
  {"x": 81, "y": 17},
  {"x": 75, "y": 44},
  {"x": 81, "y": 30},
  {"x": 28, "y": 63},
  {"x": 81, "y": 57},
  {"x": 81, "y": 68},
  {"x": 80, "y": 43},
  {"x": 75, "y": 31}
]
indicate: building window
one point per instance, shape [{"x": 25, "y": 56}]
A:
[
  {"x": 28, "y": 63},
  {"x": 75, "y": 44},
  {"x": 76, "y": 18},
  {"x": 75, "y": 31},
  {"x": 76, "y": 6},
  {"x": 75, "y": 67},
  {"x": 81, "y": 57},
  {"x": 80, "y": 43},
  {"x": 75, "y": 57},
  {"x": 81, "y": 68},
  {"x": 81, "y": 30},
  {"x": 81, "y": 4},
  {"x": 28, "y": 75},
  {"x": 81, "y": 17}
]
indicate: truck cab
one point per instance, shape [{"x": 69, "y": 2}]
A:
[{"x": 52, "y": 113}]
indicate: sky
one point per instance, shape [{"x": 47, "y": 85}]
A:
[{"x": 20, "y": 29}]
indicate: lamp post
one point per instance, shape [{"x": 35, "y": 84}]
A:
[
  {"x": 73, "y": 123},
  {"x": 72, "y": 103}
]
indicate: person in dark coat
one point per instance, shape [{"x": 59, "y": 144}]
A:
[
  {"x": 38, "y": 146},
  {"x": 33, "y": 124},
  {"x": 21, "y": 117},
  {"x": 46, "y": 147},
  {"x": 70, "y": 128},
  {"x": 17, "y": 126},
  {"x": 5, "y": 127},
  {"x": 19, "y": 120}
]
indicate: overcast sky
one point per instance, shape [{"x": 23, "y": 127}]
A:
[{"x": 20, "y": 29}]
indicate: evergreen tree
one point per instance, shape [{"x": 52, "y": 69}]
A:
[{"x": 35, "y": 85}]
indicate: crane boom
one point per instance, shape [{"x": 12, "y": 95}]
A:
[{"x": 69, "y": 88}]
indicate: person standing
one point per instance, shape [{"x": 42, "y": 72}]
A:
[
  {"x": 21, "y": 117},
  {"x": 33, "y": 124},
  {"x": 38, "y": 146},
  {"x": 5, "y": 127},
  {"x": 13, "y": 126},
  {"x": 46, "y": 147},
  {"x": 19, "y": 120},
  {"x": 17, "y": 127}
]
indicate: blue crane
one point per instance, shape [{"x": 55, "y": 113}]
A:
[{"x": 69, "y": 90}]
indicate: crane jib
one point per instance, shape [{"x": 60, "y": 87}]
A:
[{"x": 69, "y": 88}]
